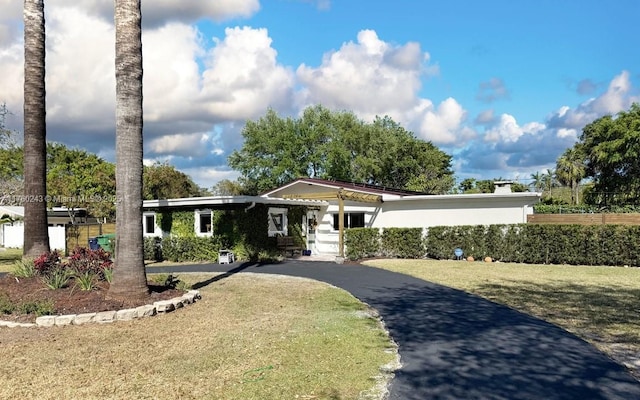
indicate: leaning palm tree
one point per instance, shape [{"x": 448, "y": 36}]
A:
[
  {"x": 129, "y": 278},
  {"x": 36, "y": 228}
]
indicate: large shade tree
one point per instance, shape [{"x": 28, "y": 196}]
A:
[
  {"x": 337, "y": 145},
  {"x": 36, "y": 238},
  {"x": 129, "y": 278},
  {"x": 611, "y": 149}
]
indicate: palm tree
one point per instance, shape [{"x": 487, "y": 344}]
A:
[
  {"x": 549, "y": 180},
  {"x": 36, "y": 228},
  {"x": 570, "y": 170},
  {"x": 537, "y": 183},
  {"x": 129, "y": 278}
]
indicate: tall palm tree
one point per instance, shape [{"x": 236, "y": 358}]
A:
[
  {"x": 129, "y": 278},
  {"x": 570, "y": 170},
  {"x": 36, "y": 228},
  {"x": 549, "y": 180},
  {"x": 536, "y": 181}
]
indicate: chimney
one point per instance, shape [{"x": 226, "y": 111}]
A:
[{"x": 502, "y": 187}]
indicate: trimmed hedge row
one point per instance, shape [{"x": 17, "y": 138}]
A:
[{"x": 525, "y": 243}]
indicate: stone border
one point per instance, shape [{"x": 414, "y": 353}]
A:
[{"x": 104, "y": 317}]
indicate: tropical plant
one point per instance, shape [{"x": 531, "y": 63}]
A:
[
  {"x": 36, "y": 239},
  {"x": 129, "y": 278},
  {"x": 24, "y": 268},
  {"x": 570, "y": 170}
]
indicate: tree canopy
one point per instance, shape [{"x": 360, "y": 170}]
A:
[
  {"x": 80, "y": 179},
  {"x": 337, "y": 145},
  {"x": 610, "y": 150},
  {"x": 163, "y": 181}
]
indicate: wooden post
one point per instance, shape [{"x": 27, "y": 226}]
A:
[{"x": 341, "y": 224}]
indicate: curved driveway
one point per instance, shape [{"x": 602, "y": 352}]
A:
[{"x": 458, "y": 346}]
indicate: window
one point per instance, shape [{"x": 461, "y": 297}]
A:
[
  {"x": 277, "y": 221},
  {"x": 149, "y": 224},
  {"x": 351, "y": 220},
  {"x": 205, "y": 222}
]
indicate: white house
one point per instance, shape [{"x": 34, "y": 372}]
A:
[
  {"x": 12, "y": 232},
  {"x": 360, "y": 206}
]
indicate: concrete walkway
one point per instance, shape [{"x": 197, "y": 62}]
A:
[{"x": 458, "y": 346}]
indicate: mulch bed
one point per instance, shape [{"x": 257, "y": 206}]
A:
[{"x": 70, "y": 300}]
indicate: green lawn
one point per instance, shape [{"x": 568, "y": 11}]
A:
[
  {"x": 599, "y": 304},
  {"x": 252, "y": 336},
  {"x": 8, "y": 257}
]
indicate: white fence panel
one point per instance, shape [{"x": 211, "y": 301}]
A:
[{"x": 13, "y": 236}]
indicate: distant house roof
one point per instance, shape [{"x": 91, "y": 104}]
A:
[{"x": 337, "y": 184}]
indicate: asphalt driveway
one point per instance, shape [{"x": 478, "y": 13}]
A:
[{"x": 458, "y": 346}]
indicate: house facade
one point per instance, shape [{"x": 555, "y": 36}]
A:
[{"x": 333, "y": 206}]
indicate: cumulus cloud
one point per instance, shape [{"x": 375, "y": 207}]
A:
[
  {"x": 586, "y": 86},
  {"x": 370, "y": 77},
  {"x": 159, "y": 12},
  {"x": 243, "y": 77},
  {"x": 184, "y": 145}
]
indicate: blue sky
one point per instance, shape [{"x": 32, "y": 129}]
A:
[{"x": 503, "y": 86}]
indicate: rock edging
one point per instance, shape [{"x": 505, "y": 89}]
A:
[{"x": 105, "y": 317}]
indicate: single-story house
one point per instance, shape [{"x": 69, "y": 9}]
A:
[
  {"x": 12, "y": 227},
  {"x": 332, "y": 206}
]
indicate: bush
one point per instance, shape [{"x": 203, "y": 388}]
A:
[
  {"x": 85, "y": 262},
  {"x": 24, "y": 268},
  {"x": 362, "y": 243},
  {"x": 6, "y": 306},
  {"x": 153, "y": 248},
  {"x": 540, "y": 244},
  {"x": 48, "y": 263},
  {"x": 184, "y": 249},
  {"x": 403, "y": 242}
]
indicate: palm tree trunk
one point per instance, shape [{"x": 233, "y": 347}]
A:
[
  {"x": 129, "y": 278},
  {"x": 36, "y": 227}
]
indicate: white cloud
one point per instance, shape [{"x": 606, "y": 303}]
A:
[
  {"x": 508, "y": 130},
  {"x": 444, "y": 124},
  {"x": 158, "y": 12},
  {"x": 370, "y": 77},
  {"x": 243, "y": 77},
  {"x": 185, "y": 145}
]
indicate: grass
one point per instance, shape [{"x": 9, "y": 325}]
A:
[
  {"x": 8, "y": 257},
  {"x": 250, "y": 337},
  {"x": 599, "y": 304}
]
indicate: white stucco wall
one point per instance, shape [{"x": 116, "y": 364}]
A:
[
  {"x": 426, "y": 212},
  {"x": 454, "y": 211}
]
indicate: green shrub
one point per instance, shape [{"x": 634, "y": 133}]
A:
[
  {"x": 39, "y": 308},
  {"x": 24, "y": 268},
  {"x": 361, "y": 243},
  {"x": 540, "y": 244},
  {"x": 403, "y": 242},
  {"x": 6, "y": 306},
  {"x": 86, "y": 280},
  {"x": 153, "y": 248},
  {"x": 184, "y": 249},
  {"x": 57, "y": 279}
]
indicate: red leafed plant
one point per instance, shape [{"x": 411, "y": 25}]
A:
[{"x": 84, "y": 260}]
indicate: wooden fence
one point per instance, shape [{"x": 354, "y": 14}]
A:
[
  {"x": 78, "y": 235},
  {"x": 585, "y": 219}
]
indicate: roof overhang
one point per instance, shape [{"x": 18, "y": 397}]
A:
[
  {"x": 337, "y": 194},
  {"x": 225, "y": 201}
]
